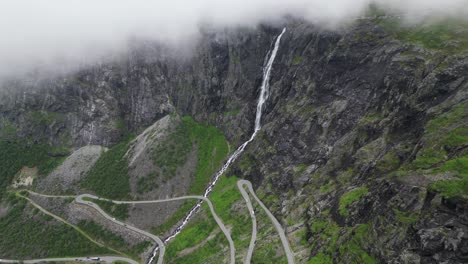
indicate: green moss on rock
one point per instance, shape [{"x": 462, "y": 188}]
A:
[
  {"x": 389, "y": 162},
  {"x": 352, "y": 250},
  {"x": 453, "y": 188},
  {"x": 350, "y": 197}
]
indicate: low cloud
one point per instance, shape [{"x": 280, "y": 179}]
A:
[{"x": 60, "y": 34}]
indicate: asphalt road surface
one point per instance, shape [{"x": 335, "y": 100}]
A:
[
  {"x": 220, "y": 223},
  {"x": 107, "y": 259},
  {"x": 79, "y": 199},
  {"x": 253, "y": 238},
  {"x": 279, "y": 228}
]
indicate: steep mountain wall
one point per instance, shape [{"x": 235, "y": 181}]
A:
[{"x": 360, "y": 137}]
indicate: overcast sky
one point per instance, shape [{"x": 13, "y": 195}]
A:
[{"x": 54, "y": 32}]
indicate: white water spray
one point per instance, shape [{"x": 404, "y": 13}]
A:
[{"x": 264, "y": 93}]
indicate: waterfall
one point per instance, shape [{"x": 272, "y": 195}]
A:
[{"x": 264, "y": 94}]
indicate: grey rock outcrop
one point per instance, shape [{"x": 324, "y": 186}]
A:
[{"x": 348, "y": 111}]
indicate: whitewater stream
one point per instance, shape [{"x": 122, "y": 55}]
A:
[{"x": 264, "y": 94}]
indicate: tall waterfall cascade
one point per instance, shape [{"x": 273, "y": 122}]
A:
[{"x": 264, "y": 94}]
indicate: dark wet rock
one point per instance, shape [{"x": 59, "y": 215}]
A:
[{"x": 347, "y": 110}]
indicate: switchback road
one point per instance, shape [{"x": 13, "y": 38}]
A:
[{"x": 279, "y": 228}]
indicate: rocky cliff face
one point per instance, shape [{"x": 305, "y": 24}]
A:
[{"x": 360, "y": 136}]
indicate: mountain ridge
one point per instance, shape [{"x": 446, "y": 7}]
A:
[{"x": 361, "y": 132}]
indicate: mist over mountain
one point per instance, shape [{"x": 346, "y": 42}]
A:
[
  {"x": 59, "y": 36},
  {"x": 209, "y": 132}
]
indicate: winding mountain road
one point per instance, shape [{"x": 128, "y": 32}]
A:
[
  {"x": 107, "y": 259},
  {"x": 279, "y": 228},
  {"x": 58, "y": 218},
  {"x": 82, "y": 199},
  {"x": 79, "y": 199},
  {"x": 218, "y": 220},
  {"x": 264, "y": 94},
  {"x": 253, "y": 238}
]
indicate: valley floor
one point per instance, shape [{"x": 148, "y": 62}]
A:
[{"x": 87, "y": 200}]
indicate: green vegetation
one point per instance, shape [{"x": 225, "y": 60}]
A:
[
  {"x": 231, "y": 113},
  {"x": 390, "y": 161},
  {"x": 175, "y": 218},
  {"x": 45, "y": 117},
  {"x": 451, "y": 188},
  {"x": 7, "y": 129},
  {"x": 268, "y": 247},
  {"x": 197, "y": 232},
  {"x": 370, "y": 118},
  {"x": 446, "y": 131},
  {"x": 16, "y": 154},
  {"x": 458, "y": 165},
  {"x": 447, "y": 119},
  {"x": 456, "y": 137},
  {"x": 173, "y": 151},
  {"x": 110, "y": 239},
  {"x": 449, "y": 36},
  {"x": 405, "y": 217},
  {"x": 120, "y": 125},
  {"x": 345, "y": 176},
  {"x": 352, "y": 250},
  {"x": 109, "y": 175},
  {"x": 147, "y": 183},
  {"x": 234, "y": 57},
  {"x": 23, "y": 235},
  {"x": 427, "y": 158},
  {"x": 266, "y": 253},
  {"x": 103, "y": 235},
  {"x": 320, "y": 258},
  {"x": 328, "y": 231},
  {"x": 443, "y": 135},
  {"x": 454, "y": 188},
  {"x": 212, "y": 150},
  {"x": 301, "y": 168},
  {"x": 139, "y": 248},
  {"x": 327, "y": 187},
  {"x": 119, "y": 211},
  {"x": 297, "y": 60},
  {"x": 246, "y": 162},
  {"x": 349, "y": 198},
  {"x": 349, "y": 250},
  {"x": 224, "y": 196}
]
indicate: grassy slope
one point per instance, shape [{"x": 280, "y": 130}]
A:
[
  {"x": 349, "y": 198},
  {"x": 112, "y": 240},
  {"x": 169, "y": 154},
  {"x": 196, "y": 231},
  {"x": 268, "y": 248},
  {"x": 119, "y": 211},
  {"x": 348, "y": 246},
  {"x": 444, "y": 134},
  {"x": 109, "y": 176},
  {"x": 449, "y": 36},
  {"x": 173, "y": 151},
  {"x": 16, "y": 154},
  {"x": 443, "y": 152},
  {"x": 224, "y": 197},
  {"x": 212, "y": 151},
  {"x": 23, "y": 236}
]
